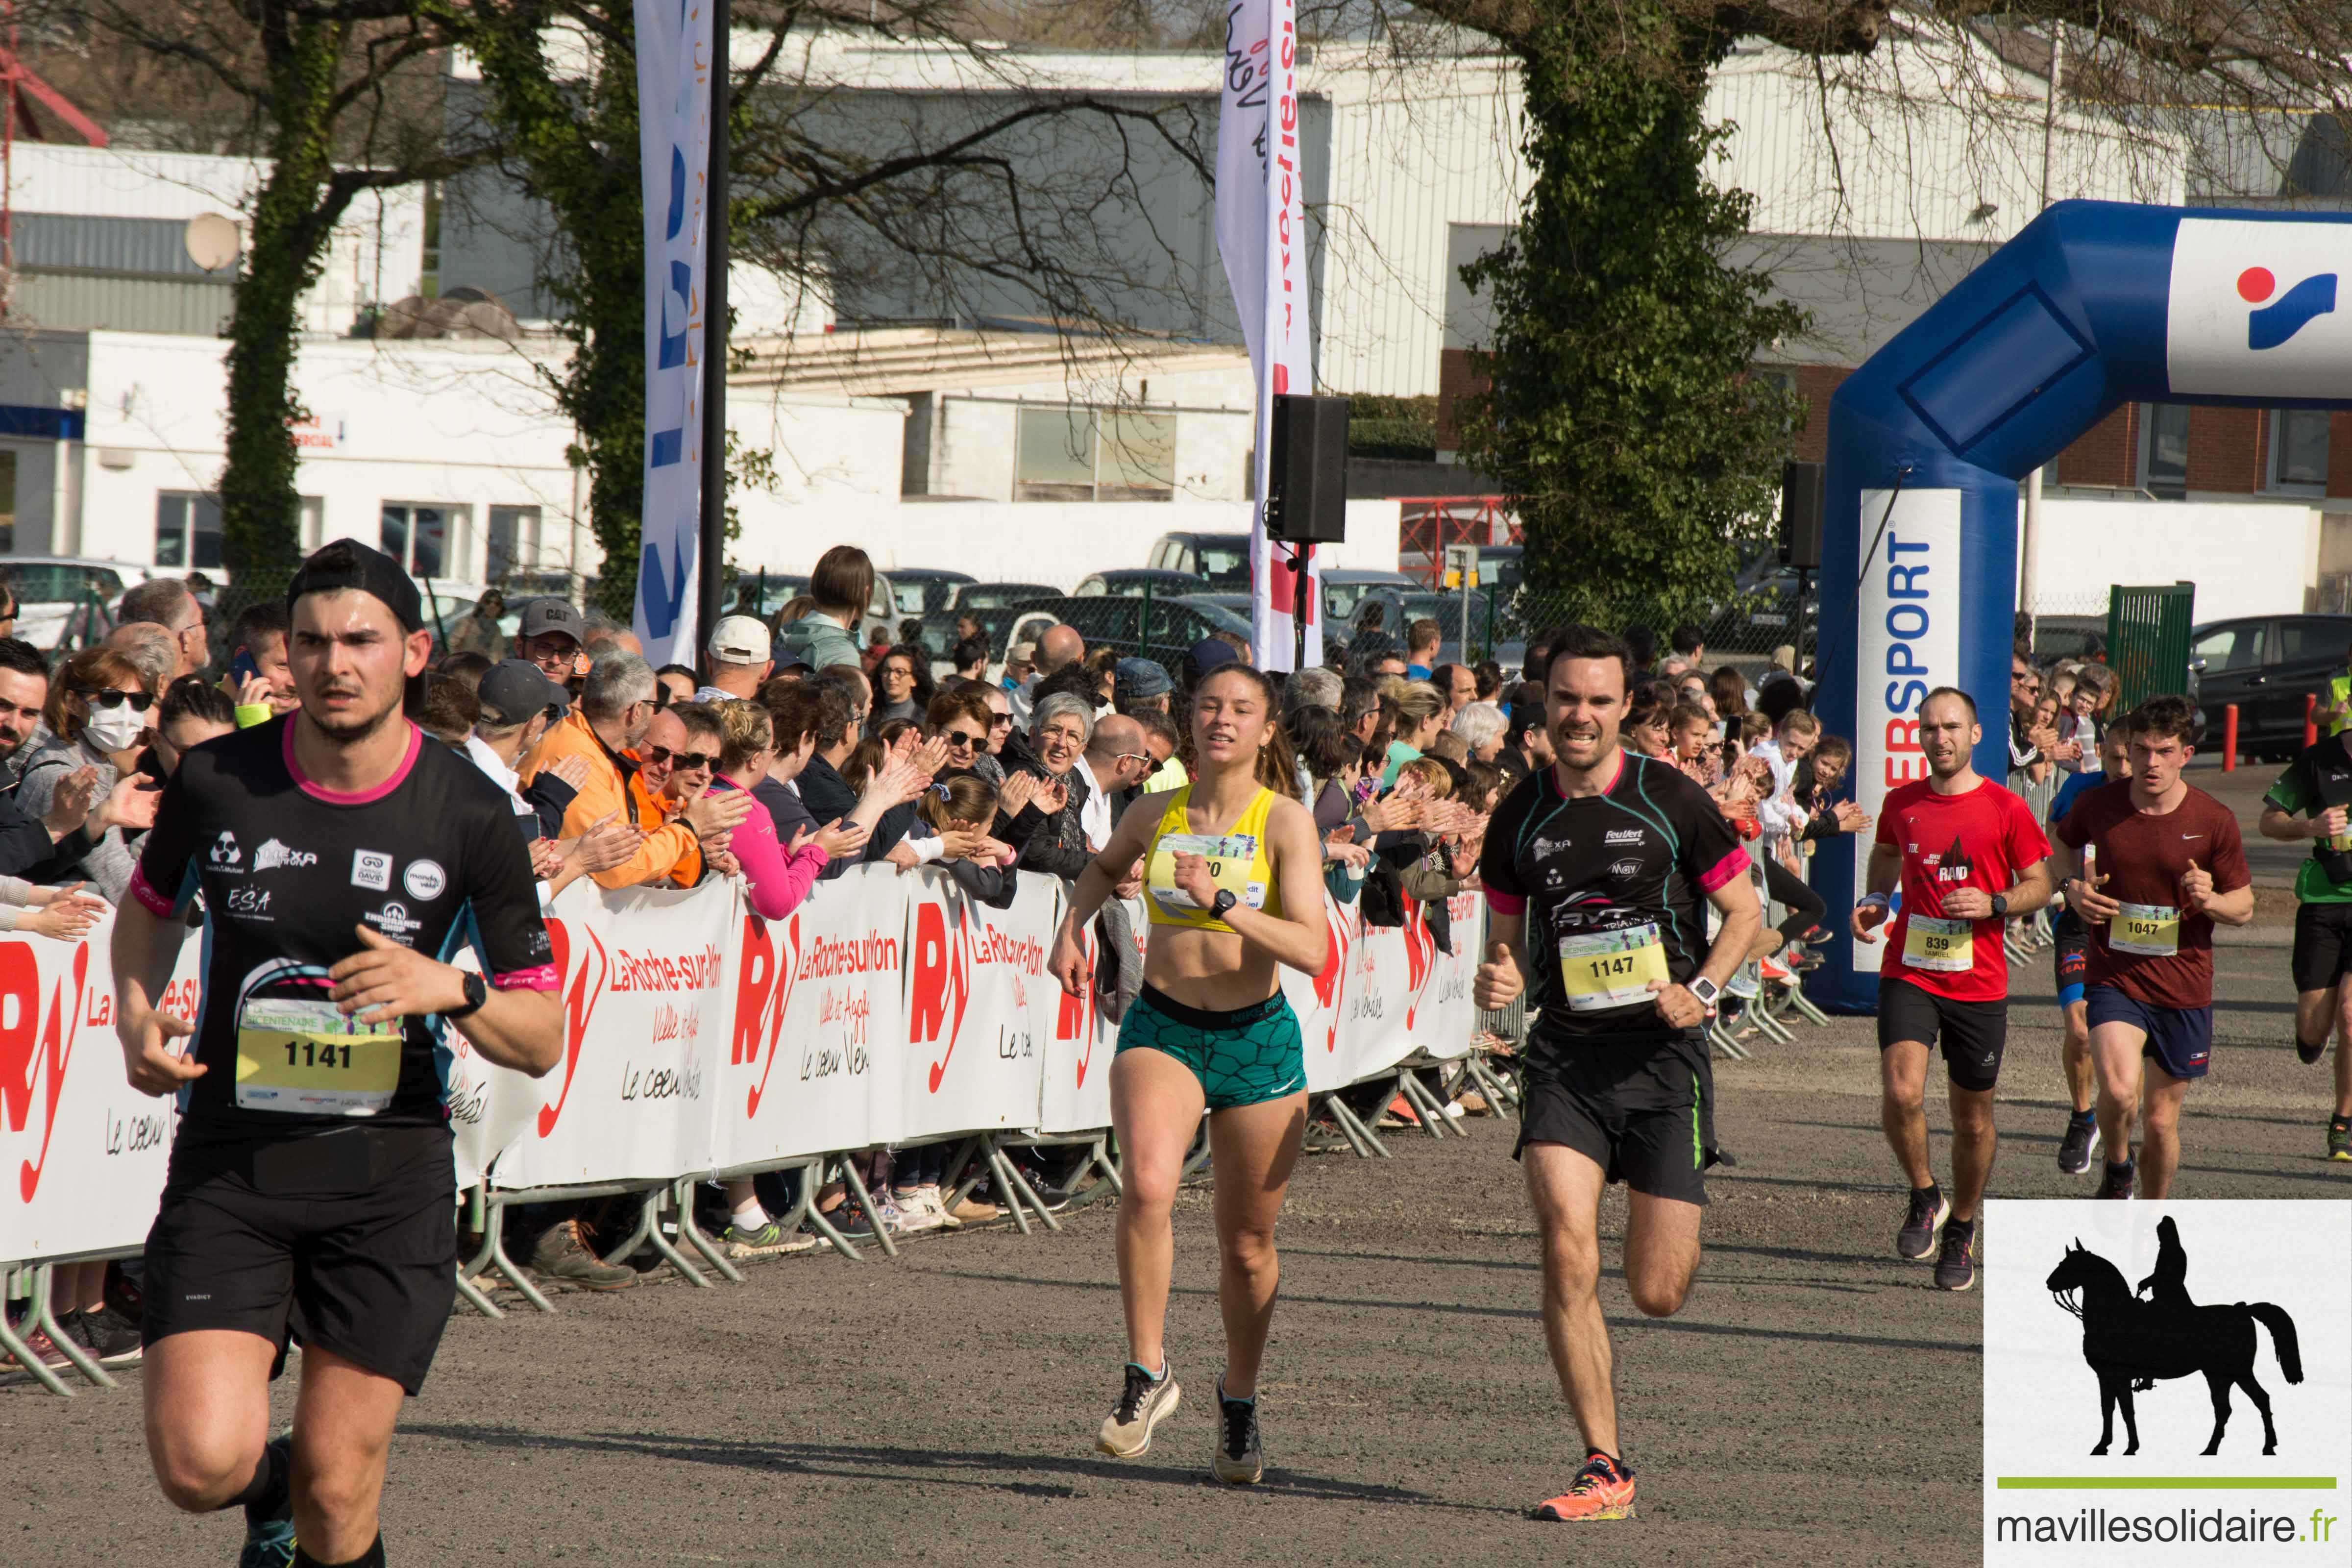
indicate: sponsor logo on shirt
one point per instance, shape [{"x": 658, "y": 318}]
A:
[
  {"x": 250, "y": 901},
  {"x": 272, "y": 855},
  {"x": 1544, "y": 847},
  {"x": 371, "y": 869},
  {"x": 1626, "y": 869},
  {"x": 424, "y": 880},
  {"x": 225, "y": 854},
  {"x": 1617, "y": 836},
  {"x": 393, "y": 921}
]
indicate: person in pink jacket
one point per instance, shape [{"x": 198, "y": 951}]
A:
[{"x": 778, "y": 876}]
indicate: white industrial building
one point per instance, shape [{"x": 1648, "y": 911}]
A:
[{"x": 952, "y": 432}]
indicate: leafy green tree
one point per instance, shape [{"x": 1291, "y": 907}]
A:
[{"x": 1621, "y": 415}]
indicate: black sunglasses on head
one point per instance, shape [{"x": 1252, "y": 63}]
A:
[
  {"x": 106, "y": 697},
  {"x": 690, "y": 760}
]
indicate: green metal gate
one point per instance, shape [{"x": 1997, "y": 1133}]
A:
[{"x": 2147, "y": 640}]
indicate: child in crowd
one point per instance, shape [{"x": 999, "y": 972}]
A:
[{"x": 1694, "y": 748}]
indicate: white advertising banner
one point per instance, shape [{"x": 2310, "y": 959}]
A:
[
  {"x": 699, "y": 1037},
  {"x": 1262, "y": 240},
  {"x": 648, "y": 986},
  {"x": 674, "y": 64},
  {"x": 82, "y": 1153},
  {"x": 1908, "y": 626}
]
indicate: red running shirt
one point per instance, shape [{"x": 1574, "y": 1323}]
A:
[
  {"x": 2152, "y": 952},
  {"x": 1985, "y": 838}
]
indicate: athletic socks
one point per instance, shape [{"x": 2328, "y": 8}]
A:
[
  {"x": 2086, "y": 1118},
  {"x": 1159, "y": 1376},
  {"x": 751, "y": 1216},
  {"x": 265, "y": 1493},
  {"x": 1933, "y": 1193},
  {"x": 372, "y": 1558},
  {"x": 2309, "y": 1055}
]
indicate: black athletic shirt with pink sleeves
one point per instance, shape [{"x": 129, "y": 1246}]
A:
[
  {"x": 290, "y": 870},
  {"x": 1646, "y": 851}
]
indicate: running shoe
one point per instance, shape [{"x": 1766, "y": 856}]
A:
[
  {"x": 1240, "y": 1459},
  {"x": 2309, "y": 1055},
  {"x": 1603, "y": 1490},
  {"x": 771, "y": 1236},
  {"x": 562, "y": 1253},
  {"x": 2339, "y": 1139},
  {"x": 1955, "y": 1265},
  {"x": 2075, "y": 1149},
  {"x": 112, "y": 1338},
  {"x": 1929, "y": 1210},
  {"x": 913, "y": 1216},
  {"x": 1144, "y": 1401},
  {"x": 269, "y": 1522},
  {"x": 2119, "y": 1180}
]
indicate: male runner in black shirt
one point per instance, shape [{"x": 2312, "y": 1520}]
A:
[
  {"x": 342, "y": 860},
  {"x": 1599, "y": 871}
]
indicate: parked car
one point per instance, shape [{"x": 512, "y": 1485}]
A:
[
  {"x": 1129, "y": 584},
  {"x": 1222, "y": 558},
  {"x": 996, "y": 595},
  {"x": 448, "y": 602},
  {"x": 1172, "y": 626},
  {"x": 919, "y": 590},
  {"x": 66, "y": 600},
  {"x": 2266, "y": 664},
  {"x": 1346, "y": 592}
]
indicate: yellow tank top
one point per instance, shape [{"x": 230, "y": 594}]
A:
[{"x": 1237, "y": 859}]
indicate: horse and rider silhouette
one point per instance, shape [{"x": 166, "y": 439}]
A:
[{"x": 2131, "y": 1343}]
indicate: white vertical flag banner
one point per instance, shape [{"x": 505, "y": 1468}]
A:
[
  {"x": 674, "y": 63},
  {"x": 1262, "y": 239}
]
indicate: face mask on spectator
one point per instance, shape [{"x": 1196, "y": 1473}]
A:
[{"x": 112, "y": 729}]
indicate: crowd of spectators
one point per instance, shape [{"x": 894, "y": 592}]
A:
[{"x": 793, "y": 749}]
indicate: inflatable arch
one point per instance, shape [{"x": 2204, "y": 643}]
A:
[{"x": 2092, "y": 306}]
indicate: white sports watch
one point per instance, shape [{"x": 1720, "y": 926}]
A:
[{"x": 1706, "y": 990}]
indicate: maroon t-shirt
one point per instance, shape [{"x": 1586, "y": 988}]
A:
[{"x": 2143, "y": 855}]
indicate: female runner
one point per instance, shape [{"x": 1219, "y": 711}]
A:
[{"x": 1234, "y": 887}]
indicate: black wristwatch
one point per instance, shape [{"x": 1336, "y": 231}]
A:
[
  {"x": 1999, "y": 906},
  {"x": 1223, "y": 901},
  {"x": 477, "y": 993}
]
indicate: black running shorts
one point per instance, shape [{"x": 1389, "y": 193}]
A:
[
  {"x": 1974, "y": 1034},
  {"x": 2322, "y": 945},
  {"x": 347, "y": 1239},
  {"x": 1644, "y": 1112}
]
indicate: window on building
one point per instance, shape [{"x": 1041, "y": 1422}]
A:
[
  {"x": 187, "y": 530},
  {"x": 1055, "y": 456},
  {"x": 2164, "y": 448},
  {"x": 314, "y": 523},
  {"x": 1137, "y": 456},
  {"x": 513, "y": 542},
  {"x": 1068, "y": 452},
  {"x": 2298, "y": 455},
  {"x": 7, "y": 502},
  {"x": 423, "y": 537}
]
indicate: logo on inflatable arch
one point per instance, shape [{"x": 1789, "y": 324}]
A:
[
  {"x": 938, "y": 979},
  {"x": 579, "y": 1006},
  {"x": 2278, "y": 317},
  {"x": 764, "y": 989}
]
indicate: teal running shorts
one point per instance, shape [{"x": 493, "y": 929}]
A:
[{"x": 1242, "y": 1057}]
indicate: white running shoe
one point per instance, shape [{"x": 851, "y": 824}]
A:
[{"x": 1144, "y": 1401}]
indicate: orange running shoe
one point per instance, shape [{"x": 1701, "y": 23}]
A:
[{"x": 1603, "y": 1490}]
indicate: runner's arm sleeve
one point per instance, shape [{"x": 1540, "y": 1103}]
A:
[
  {"x": 1712, "y": 854},
  {"x": 165, "y": 878},
  {"x": 508, "y": 935},
  {"x": 2292, "y": 792},
  {"x": 2230, "y": 869},
  {"x": 1505, "y": 894}
]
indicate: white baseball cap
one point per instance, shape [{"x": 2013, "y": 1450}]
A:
[{"x": 739, "y": 639}]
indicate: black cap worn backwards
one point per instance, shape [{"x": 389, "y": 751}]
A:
[{"x": 345, "y": 563}]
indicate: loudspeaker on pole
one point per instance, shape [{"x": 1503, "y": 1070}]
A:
[
  {"x": 1307, "y": 485},
  {"x": 1802, "y": 490}
]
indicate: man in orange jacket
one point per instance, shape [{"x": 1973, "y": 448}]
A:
[{"x": 616, "y": 710}]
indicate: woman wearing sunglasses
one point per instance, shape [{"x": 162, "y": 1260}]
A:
[
  {"x": 963, "y": 719},
  {"x": 97, "y": 715}
]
